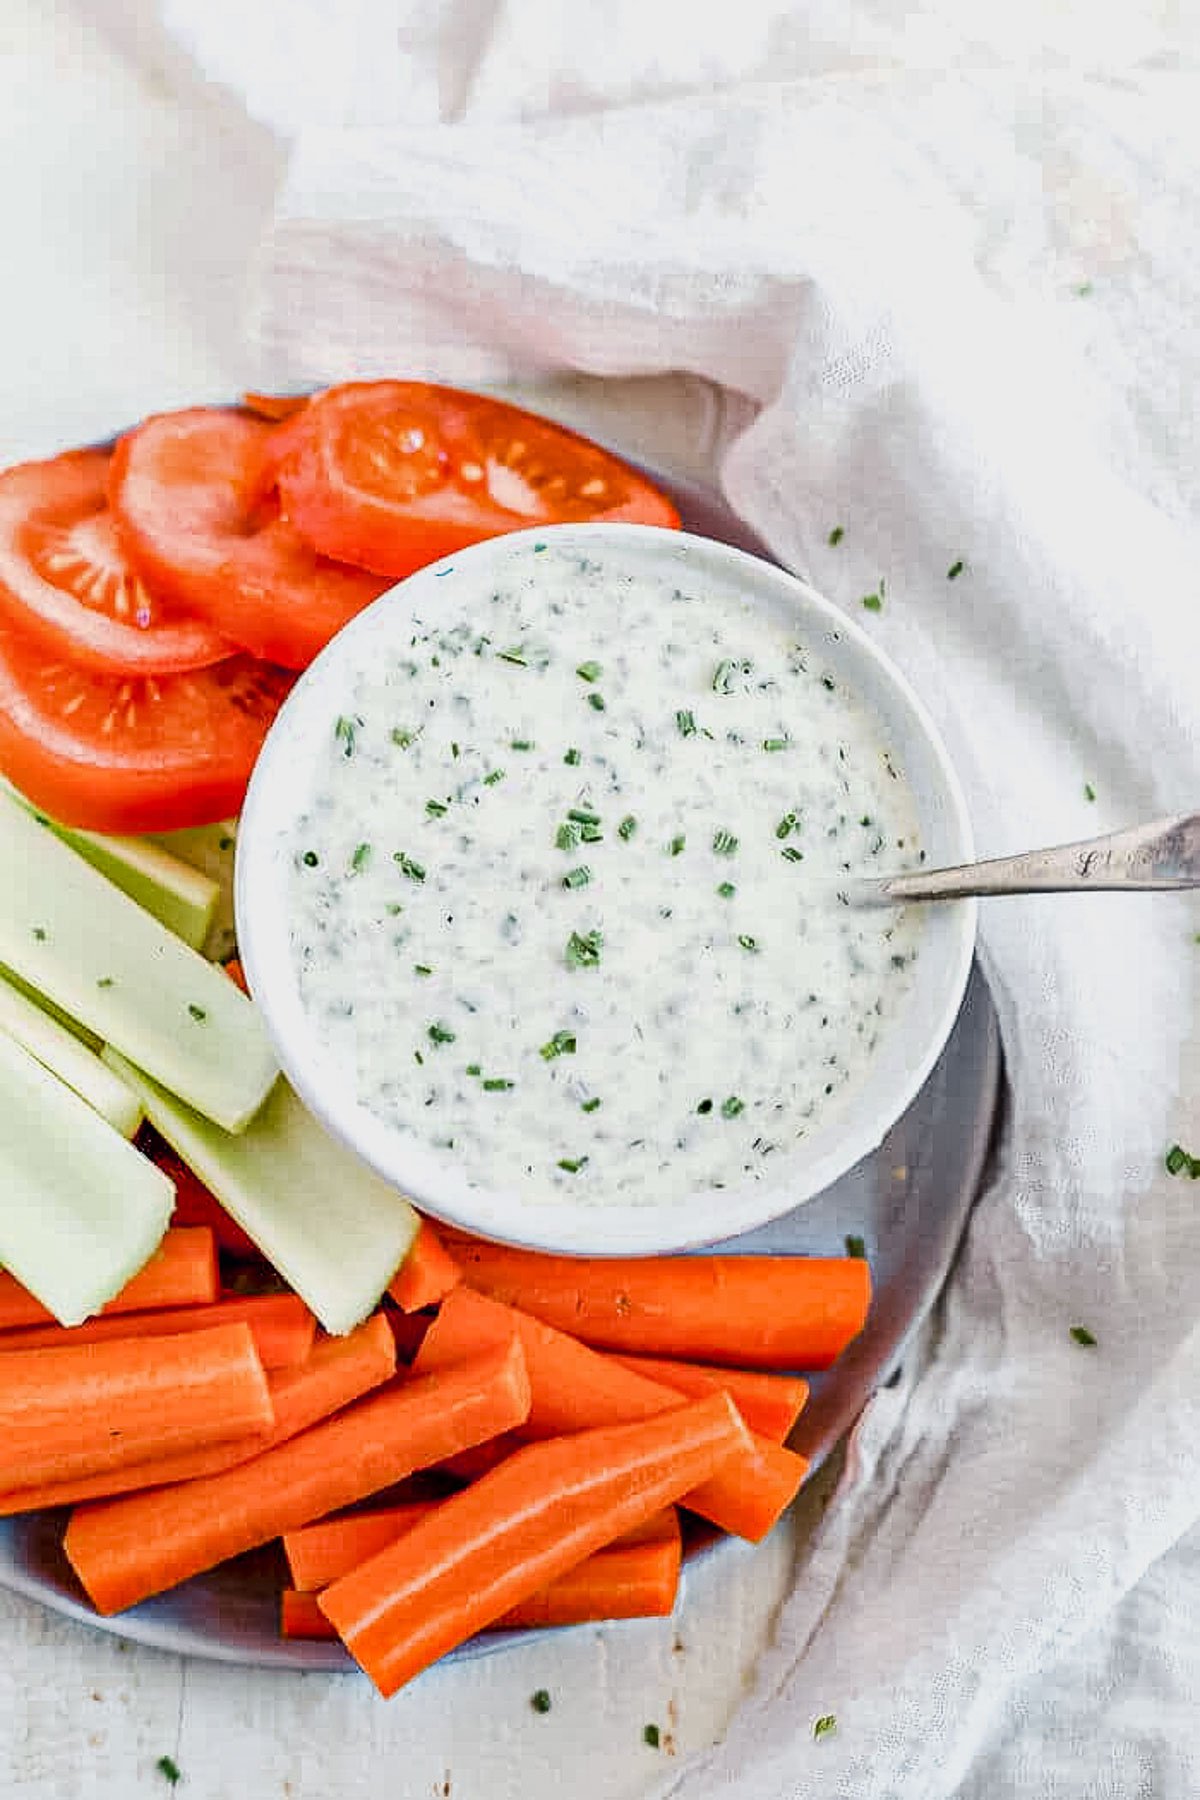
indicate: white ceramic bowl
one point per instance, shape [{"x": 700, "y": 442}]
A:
[{"x": 900, "y": 1064}]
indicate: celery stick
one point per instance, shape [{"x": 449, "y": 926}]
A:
[
  {"x": 333, "y": 1229},
  {"x": 175, "y": 892},
  {"x": 90, "y": 1038},
  {"x": 83, "y": 1210},
  {"x": 79, "y": 940},
  {"x": 210, "y": 849},
  {"x": 57, "y": 1050}
]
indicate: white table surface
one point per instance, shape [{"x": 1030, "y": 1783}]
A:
[{"x": 125, "y": 219}]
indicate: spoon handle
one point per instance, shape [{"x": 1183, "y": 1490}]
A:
[{"x": 1165, "y": 854}]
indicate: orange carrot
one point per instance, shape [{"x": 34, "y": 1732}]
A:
[
  {"x": 181, "y": 1272},
  {"x": 756, "y": 1312},
  {"x": 319, "y": 1553},
  {"x": 338, "y": 1371},
  {"x": 770, "y": 1404},
  {"x": 127, "y": 1549},
  {"x": 281, "y": 1325},
  {"x": 483, "y": 1551},
  {"x": 635, "y": 1582},
  {"x": 237, "y": 974},
  {"x": 80, "y": 1409},
  {"x": 574, "y": 1388},
  {"x": 427, "y": 1273}
]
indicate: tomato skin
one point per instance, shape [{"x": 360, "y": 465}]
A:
[
  {"x": 132, "y": 754},
  {"x": 193, "y": 496},
  {"x": 65, "y": 580},
  {"x": 391, "y": 475}
]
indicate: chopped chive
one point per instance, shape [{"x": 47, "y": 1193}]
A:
[
  {"x": 436, "y": 809},
  {"x": 1180, "y": 1162},
  {"x": 678, "y": 845},
  {"x": 591, "y": 834},
  {"x": 408, "y": 866},
  {"x": 836, "y": 535},
  {"x": 955, "y": 570},
  {"x": 577, "y": 878},
  {"x": 197, "y": 1012},
  {"x": 522, "y": 744},
  {"x": 572, "y": 757},
  {"x": 439, "y": 1033},
  {"x": 787, "y": 825},
  {"x": 360, "y": 859},
  {"x": 561, "y": 1044},
  {"x": 418, "y": 1059},
  {"x": 627, "y": 827},
  {"x": 567, "y": 837},
  {"x": 583, "y": 815},
  {"x": 343, "y": 731},
  {"x": 104, "y": 981},
  {"x": 474, "y": 1069},
  {"x": 775, "y": 743},
  {"x": 705, "y": 1106},
  {"x": 589, "y": 671},
  {"x": 540, "y": 1701},
  {"x": 310, "y": 859},
  {"x": 402, "y": 739},
  {"x": 748, "y": 943},
  {"x": 572, "y": 1164},
  {"x": 596, "y": 702},
  {"x": 686, "y": 723},
  {"x": 727, "y": 890},
  {"x": 724, "y": 842},
  {"x": 455, "y": 752},
  {"x": 824, "y": 1725},
  {"x": 828, "y": 682},
  {"x": 583, "y": 950},
  {"x": 873, "y": 602},
  {"x": 732, "y": 1107},
  {"x": 514, "y": 654},
  {"x": 856, "y": 1246},
  {"x": 651, "y": 1736},
  {"x": 422, "y": 969},
  {"x": 725, "y": 674},
  {"x": 497, "y": 1084},
  {"x": 1082, "y": 1335},
  {"x": 590, "y": 1106},
  {"x": 495, "y": 776},
  {"x": 169, "y": 1769},
  {"x": 1089, "y": 792},
  {"x": 792, "y": 854}
]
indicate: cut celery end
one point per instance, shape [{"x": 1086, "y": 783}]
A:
[
  {"x": 332, "y": 1228},
  {"x": 184, "y": 899},
  {"x": 83, "y": 1210},
  {"x": 63, "y": 1055},
  {"x": 74, "y": 937},
  {"x": 210, "y": 850}
]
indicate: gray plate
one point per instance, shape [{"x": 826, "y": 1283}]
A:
[{"x": 908, "y": 1201}]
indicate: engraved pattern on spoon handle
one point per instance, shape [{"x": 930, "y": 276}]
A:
[{"x": 1161, "y": 855}]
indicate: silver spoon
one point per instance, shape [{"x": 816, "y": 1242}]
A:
[{"x": 1165, "y": 854}]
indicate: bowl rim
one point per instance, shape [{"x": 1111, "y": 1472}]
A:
[{"x": 595, "y": 1228}]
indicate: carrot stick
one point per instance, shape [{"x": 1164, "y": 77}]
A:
[
  {"x": 195, "y": 1204},
  {"x": 182, "y": 1272},
  {"x": 80, "y": 1409},
  {"x": 127, "y": 1549},
  {"x": 770, "y": 1404},
  {"x": 635, "y": 1582},
  {"x": 338, "y": 1371},
  {"x": 237, "y": 974},
  {"x": 427, "y": 1273},
  {"x": 319, "y": 1553},
  {"x": 487, "y": 1549},
  {"x": 574, "y": 1388},
  {"x": 756, "y": 1312},
  {"x": 281, "y": 1325}
]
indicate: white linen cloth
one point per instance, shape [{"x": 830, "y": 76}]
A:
[{"x": 960, "y": 339}]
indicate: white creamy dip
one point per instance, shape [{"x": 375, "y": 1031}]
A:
[{"x": 565, "y": 893}]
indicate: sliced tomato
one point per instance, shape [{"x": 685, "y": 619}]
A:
[
  {"x": 393, "y": 474},
  {"x": 197, "y": 514},
  {"x": 65, "y": 579},
  {"x": 132, "y": 753}
]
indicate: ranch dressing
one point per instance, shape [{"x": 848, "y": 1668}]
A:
[{"x": 565, "y": 894}]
